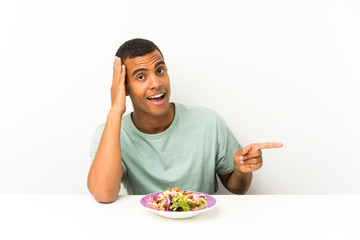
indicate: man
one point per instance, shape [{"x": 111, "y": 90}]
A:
[{"x": 162, "y": 144}]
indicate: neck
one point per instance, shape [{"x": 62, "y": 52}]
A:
[{"x": 153, "y": 124}]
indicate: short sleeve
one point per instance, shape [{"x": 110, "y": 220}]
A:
[
  {"x": 227, "y": 145},
  {"x": 95, "y": 141}
]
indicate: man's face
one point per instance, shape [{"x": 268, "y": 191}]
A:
[{"x": 148, "y": 84}]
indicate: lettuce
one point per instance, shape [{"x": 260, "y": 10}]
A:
[{"x": 180, "y": 203}]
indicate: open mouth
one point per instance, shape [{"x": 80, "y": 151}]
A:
[{"x": 157, "y": 99}]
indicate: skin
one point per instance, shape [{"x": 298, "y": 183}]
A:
[
  {"x": 246, "y": 161},
  {"x": 147, "y": 76},
  {"x": 106, "y": 171}
]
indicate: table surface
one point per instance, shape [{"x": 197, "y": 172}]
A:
[{"x": 242, "y": 217}]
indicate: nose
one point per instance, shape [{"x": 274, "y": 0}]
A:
[{"x": 154, "y": 82}]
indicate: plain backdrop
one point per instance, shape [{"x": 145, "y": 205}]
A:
[{"x": 284, "y": 71}]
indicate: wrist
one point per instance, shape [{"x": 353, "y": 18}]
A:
[
  {"x": 240, "y": 174},
  {"x": 117, "y": 110}
]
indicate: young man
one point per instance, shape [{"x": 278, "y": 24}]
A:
[{"x": 162, "y": 144}]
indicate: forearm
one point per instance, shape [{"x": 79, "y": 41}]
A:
[
  {"x": 239, "y": 183},
  {"x": 104, "y": 179}
]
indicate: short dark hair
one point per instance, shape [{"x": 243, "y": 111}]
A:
[{"x": 135, "y": 48}]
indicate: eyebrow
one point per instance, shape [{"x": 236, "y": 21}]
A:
[
  {"x": 144, "y": 69},
  {"x": 139, "y": 70},
  {"x": 159, "y": 63}
]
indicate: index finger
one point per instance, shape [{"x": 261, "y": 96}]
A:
[
  {"x": 268, "y": 145},
  {"x": 116, "y": 69}
]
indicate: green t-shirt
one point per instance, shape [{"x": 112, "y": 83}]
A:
[{"x": 188, "y": 154}]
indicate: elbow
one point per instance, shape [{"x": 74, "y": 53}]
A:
[
  {"x": 103, "y": 195},
  {"x": 104, "y": 198},
  {"x": 238, "y": 191}
]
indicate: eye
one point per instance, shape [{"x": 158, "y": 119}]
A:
[
  {"x": 161, "y": 70},
  {"x": 140, "y": 77}
]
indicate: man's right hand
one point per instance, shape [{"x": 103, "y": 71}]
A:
[
  {"x": 104, "y": 179},
  {"x": 118, "y": 91}
]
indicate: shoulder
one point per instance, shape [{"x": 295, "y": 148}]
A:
[{"x": 192, "y": 110}]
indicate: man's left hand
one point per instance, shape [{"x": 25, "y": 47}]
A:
[{"x": 249, "y": 159}]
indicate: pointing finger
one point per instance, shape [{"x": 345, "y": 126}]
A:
[{"x": 267, "y": 145}]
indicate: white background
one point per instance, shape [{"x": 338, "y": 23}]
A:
[{"x": 285, "y": 71}]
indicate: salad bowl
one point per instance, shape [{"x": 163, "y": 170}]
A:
[{"x": 211, "y": 202}]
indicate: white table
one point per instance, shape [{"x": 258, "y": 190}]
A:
[{"x": 243, "y": 217}]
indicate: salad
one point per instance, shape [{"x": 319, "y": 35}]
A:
[{"x": 173, "y": 199}]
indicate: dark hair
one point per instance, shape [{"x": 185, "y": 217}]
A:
[{"x": 135, "y": 48}]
